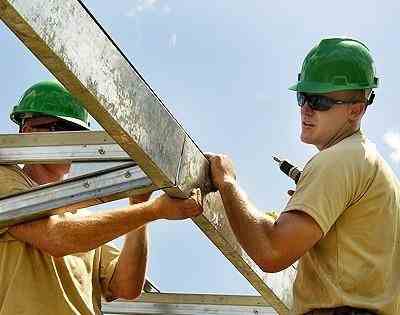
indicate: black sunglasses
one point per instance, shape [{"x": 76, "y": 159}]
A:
[
  {"x": 60, "y": 126},
  {"x": 319, "y": 102}
]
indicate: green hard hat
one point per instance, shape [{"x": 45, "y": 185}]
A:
[
  {"x": 49, "y": 98},
  {"x": 337, "y": 64}
]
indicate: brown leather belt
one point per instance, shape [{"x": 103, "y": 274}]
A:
[{"x": 342, "y": 310}]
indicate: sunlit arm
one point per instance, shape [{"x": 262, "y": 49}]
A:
[
  {"x": 60, "y": 235},
  {"x": 130, "y": 272},
  {"x": 273, "y": 245}
]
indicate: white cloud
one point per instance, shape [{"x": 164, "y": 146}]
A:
[
  {"x": 141, "y": 6},
  {"x": 172, "y": 41},
  {"x": 392, "y": 139}
]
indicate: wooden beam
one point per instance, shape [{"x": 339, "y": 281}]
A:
[{"x": 64, "y": 36}]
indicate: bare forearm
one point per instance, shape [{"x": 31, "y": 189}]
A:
[
  {"x": 252, "y": 228},
  {"x": 130, "y": 272},
  {"x": 63, "y": 235}
]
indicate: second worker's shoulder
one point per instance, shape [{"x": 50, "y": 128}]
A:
[
  {"x": 13, "y": 180},
  {"x": 10, "y": 170},
  {"x": 353, "y": 151}
]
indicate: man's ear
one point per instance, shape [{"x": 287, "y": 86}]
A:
[{"x": 356, "y": 111}]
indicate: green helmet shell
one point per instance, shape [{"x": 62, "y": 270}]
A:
[
  {"x": 49, "y": 98},
  {"x": 337, "y": 64}
]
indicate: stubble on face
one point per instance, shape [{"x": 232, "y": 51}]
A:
[{"x": 320, "y": 127}]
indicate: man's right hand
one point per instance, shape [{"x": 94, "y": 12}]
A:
[
  {"x": 178, "y": 209},
  {"x": 222, "y": 169}
]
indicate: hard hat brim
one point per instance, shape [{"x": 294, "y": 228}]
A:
[{"x": 320, "y": 88}]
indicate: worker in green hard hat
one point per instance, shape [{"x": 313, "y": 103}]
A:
[
  {"x": 48, "y": 106},
  {"x": 342, "y": 221},
  {"x": 62, "y": 264}
]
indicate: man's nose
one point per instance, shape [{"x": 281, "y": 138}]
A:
[{"x": 306, "y": 109}]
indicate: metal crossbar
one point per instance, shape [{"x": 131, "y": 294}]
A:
[
  {"x": 104, "y": 186},
  {"x": 190, "y": 304},
  {"x": 60, "y": 147}
]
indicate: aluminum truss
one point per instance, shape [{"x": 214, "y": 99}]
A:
[
  {"x": 77, "y": 146},
  {"x": 66, "y": 38},
  {"x": 75, "y": 193}
]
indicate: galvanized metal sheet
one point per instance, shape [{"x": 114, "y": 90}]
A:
[
  {"x": 74, "y": 194},
  {"x": 186, "y": 304},
  {"x": 194, "y": 170},
  {"x": 62, "y": 154},
  {"x": 54, "y": 138},
  {"x": 139, "y": 308},
  {"x": 201, "y": 299},
  {"x": 67, "y": 40}
]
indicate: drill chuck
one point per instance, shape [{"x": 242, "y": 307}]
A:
[{"x": 290, "y": 170}]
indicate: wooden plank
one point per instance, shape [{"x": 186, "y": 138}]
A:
[{"x": 67, "y": 40}]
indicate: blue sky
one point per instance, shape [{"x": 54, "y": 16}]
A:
[{"x": 223, "y": 69}]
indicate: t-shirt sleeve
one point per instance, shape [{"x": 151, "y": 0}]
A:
[
  {"x": 11, "y": 182},
  {"x": 323, "y": 191},
  {"x": 108, "y": 262}
]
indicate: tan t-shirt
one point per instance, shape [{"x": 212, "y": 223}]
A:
[
  {"x": 354, "y": 196},
  {"x": 35, "y": 283}
]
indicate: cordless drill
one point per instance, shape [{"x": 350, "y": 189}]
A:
[{"x": 290, "y": 170}]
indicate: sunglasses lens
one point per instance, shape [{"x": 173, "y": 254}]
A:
[
  {"x": 322, "y": 103},
  {"x": 60, "y": 126},
  {"x": 315, "y": 102},
  {"x": 301, "y": 99}
]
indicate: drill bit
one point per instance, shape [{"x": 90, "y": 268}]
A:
[{"x": 290, "y": 170}]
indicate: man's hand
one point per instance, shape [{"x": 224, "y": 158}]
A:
[
  {"x": 178, "y": 209},
  {"x": 222, "y": 169}
]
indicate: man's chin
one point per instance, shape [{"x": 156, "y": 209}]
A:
[{"x": 305, "y": 139}]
